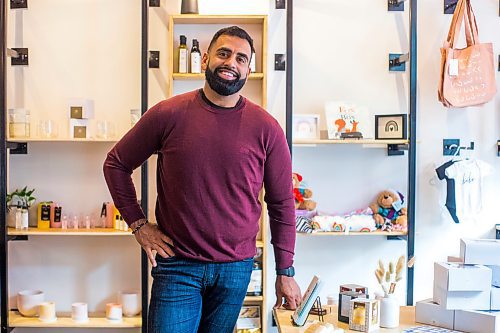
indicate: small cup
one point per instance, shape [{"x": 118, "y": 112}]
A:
[
  {"x": 28, "y": 302},
  {"x": 47, "y": 312},
  {"x": 105, "y": 129},
  {"x": 135, "y": 115},
  {"x": 114, "y": 311},
  {"x": 47, "y": 129},
  {"x": 79, "y": 312},
  {"x": 131, "y": 303}
]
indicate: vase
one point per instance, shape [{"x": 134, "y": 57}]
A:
[
  {"x": 189, "y": 7},
  {"x": 389, "y": 311}
]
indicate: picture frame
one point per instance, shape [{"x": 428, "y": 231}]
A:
[
  {"x": 300, "y": 315},
  {"x": 306, "y": 126},
  {"x": 391, "y": 127}
]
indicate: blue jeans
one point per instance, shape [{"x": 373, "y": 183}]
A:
[{"x": 190, "y": 296}]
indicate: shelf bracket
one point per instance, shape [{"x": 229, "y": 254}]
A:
[
  {"x": 396, "y": 5},
  {"x": 17, "y": 238},
  {"x": 18, "y": 4},
  {"x": 397, "y": 62},
  {"x": 498, "y": 148},
  {"x": 19, "y": 56},
  {"x": 396, "y": 149},
  {"x": 403, "y": 238},
  {"x": 18, "y": 148}
]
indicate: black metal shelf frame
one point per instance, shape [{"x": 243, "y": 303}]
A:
[
  {"x": 4, "y": 238},
  {"x": 410, "y": 239}
]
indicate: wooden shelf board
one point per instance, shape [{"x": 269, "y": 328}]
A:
[
  {"x": 218, "y": 19},
  {"x": 260, "y": 244},
  {"x": 60, "y": 139},
  {"x": 201, "y": 76},
  {"x": 96, "y": 320},
  {"x": 350, "y": 141},
  {"x": 375, "y": 233},
  {"x": 254, "y": 298},
  {"x": 68, "y": 232}
]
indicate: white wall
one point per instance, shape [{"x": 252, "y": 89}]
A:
[{"x": 92, "y": 48}]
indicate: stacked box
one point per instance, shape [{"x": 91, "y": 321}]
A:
[{"x": 80, "y": 113}]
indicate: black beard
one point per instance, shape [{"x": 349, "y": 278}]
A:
[{"x": 221, "y": 86}]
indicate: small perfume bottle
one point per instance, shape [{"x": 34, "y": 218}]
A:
[
  {"x": 19, "y": 222},
  {"x": 64, "y": 222}
]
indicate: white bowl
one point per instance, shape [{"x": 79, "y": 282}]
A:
[{"x": 28, "y": 302}]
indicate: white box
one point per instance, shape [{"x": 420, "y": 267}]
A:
[
  {"x": 495, "y": 298},
  {"x": 79, "y": 128},
  {"x": 477, "y": 321},
  {"x": 495, "y": 275},
  {"x": 462, "y": 300},
  {"x": 480, "y": 251},
  {"x": 455, "y": 259},
  {"x": 428, "y": 312},
  {"x": 364, "y": 315},
  {"x": 459, "y": 277},
  {"x": 79, "y": 108}
]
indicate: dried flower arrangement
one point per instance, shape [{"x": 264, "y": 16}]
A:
[{"x": 390, "y": 277}]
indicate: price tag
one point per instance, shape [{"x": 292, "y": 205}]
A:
[{"x": 453, "y": 67}]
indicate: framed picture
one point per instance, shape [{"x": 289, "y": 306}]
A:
[
  {"x": 306, "y": 126},
  {"x": 390, "y": 126}
]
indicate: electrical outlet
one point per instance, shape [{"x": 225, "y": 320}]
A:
[
  {"x": 154, "y": 59},
  {"x": 18, "y": 4},
  {"x": 449, "y": 6},
  {"x": 279, "y": 62},
  {"x": 280, "y": 4},
  {"x": 22, "y": 59}
]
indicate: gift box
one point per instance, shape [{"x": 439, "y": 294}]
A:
[
  {"x": 462, "y": 300},
  {"x": 81, "y": 108},
  {"x": 495, "y": 275},
  {"x": 79, "y": 128},
  {"x": 459, "y": 277},
  {"x": 364, "y": 315},
  {"x": 431, "y": 313},
  {"x": 344, "y": 307},
  {"x": 480, "y": 251},
  {"x": 354, "y": 287},
  {"x": 495, "y": 298}
]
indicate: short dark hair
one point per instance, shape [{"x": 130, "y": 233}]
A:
[{"x": 232, "y": 31}]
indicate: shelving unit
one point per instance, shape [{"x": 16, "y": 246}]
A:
[
  {"x": 96, "y": 320},
  {"x": 10, "y": 320},
  {"x": 410, "y": 144},
  {"x": 203, "y": 27},
  {"x": 356, "y": 233}
]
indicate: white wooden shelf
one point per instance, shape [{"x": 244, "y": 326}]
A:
[
  {"x": 96, "y": 320},
  {"x": 201, "y": 76},
  {"x": 374, "y": 233},
  {"x": 350, "y": 141},
  {"x": 218, "y": 19},
  {"x": 60, "y": 139},
  {"x": 68, "y": 232}
]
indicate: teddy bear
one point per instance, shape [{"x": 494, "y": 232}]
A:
[
  {"x": 302, "y": 195},
  {"x": 388, "y": 211}
]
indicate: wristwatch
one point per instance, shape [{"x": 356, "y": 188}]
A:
[{"x": 290, "y": 271}]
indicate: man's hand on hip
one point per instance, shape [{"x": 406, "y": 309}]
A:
[
  {"x": 289, "y": 289},
  {"x": 151, "y": 238}
]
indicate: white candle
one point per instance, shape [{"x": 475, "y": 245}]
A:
[
  {"x": 114, "y": 311},
  {"x": 47, "y": 311},
  {"x": 79, "y": 312}
]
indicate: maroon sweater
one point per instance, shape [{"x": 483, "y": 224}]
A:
[{"x": 212, "y": 163}]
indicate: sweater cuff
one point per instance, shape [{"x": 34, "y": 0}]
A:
[
  {"x": 282, "y": 258},
  {"x": 132, "y": 213}
]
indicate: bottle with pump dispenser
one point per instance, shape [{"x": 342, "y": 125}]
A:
[
  {"x": 195, "y": 57},
  {"x": 183, "y": 55}
]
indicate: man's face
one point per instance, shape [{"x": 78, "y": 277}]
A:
[{"x": 227, "y": 64}]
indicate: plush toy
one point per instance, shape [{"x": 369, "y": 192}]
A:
[
  {"x": 302, "y": 195},
  {"x": 388, "y": 211}
]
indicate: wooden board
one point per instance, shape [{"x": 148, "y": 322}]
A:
[{"x": 96, "y": 320}]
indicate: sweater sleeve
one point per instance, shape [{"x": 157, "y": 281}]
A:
[
  {"x": 279, "y": 199},
  {"x": 129, "y": 153}
]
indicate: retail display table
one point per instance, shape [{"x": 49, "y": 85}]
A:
[{"x": 284, "y": 322}]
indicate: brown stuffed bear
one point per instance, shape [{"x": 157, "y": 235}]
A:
[
  {"x": 387, "y": 210},
  {"x": 302, "y": 195}
]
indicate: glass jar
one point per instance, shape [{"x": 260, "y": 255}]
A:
[{"x": 19, "y": 123}]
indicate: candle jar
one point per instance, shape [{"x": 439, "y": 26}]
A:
[{"x": 19, "y": 123}]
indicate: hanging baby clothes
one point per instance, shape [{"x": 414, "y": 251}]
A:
[
  {"x": 468, "y": 176},
  {"x": 450, "y": 190}
]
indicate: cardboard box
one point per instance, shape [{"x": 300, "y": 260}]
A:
[
  {"x": 81, "y": 108},
  {"x": 462, "y": 300},
  {"x": 480, "y": 251},
  {"x": 364, "y": 315},
  {"x": 459, "y": 277},
  {"x": 477, "y": 321},
  {"x": 79, "y": 129},
  {"x": 344, "y": 307},
  {"x": 495, "y": 275},
  {"x": 429, "y": 312},
  {"x": 495, "y": 299}
]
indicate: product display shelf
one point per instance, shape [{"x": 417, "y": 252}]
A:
[
  {"x": 96, "y": 320},
  {"x": 349, "y": 141},
  {"x": 201, "y": 76},
  {"x": 61, "y": 139},
  {"x": 357, "y": 233},
  {"x": 68, "y": 232}
]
